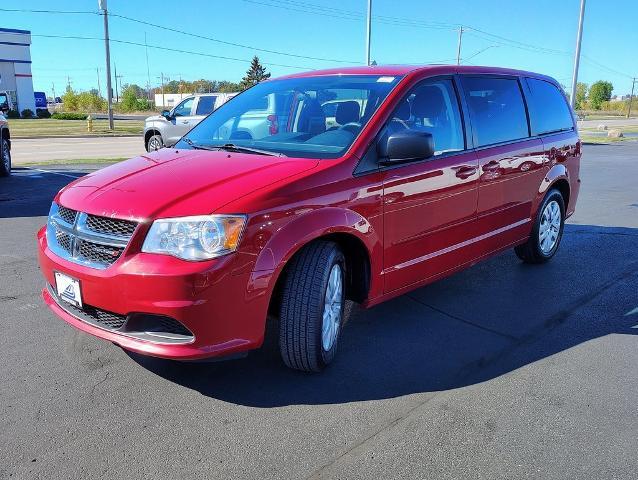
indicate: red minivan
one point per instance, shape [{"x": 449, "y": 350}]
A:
[{"x": 364, "y": 183}]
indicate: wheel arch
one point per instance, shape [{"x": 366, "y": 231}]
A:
[
  {"x": 355, "y": 236},
  {"x": 557, "y": 177},
  {"x": 149, "y": 133}
]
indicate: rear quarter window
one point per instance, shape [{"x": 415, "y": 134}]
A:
[
  {"x": 496, "y": 109},
  {"x": 548, "y": 108},
  {"x": 205, "y": 105}
]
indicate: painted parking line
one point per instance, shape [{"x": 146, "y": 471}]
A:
[{"x": 54, "y": 172}]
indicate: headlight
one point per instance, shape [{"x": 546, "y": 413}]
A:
[{"x": 195, "y": 238}]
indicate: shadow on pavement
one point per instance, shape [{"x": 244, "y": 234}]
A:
[
  {"x": 474, "y": 326},
  {"x": 28, "y": 192}
]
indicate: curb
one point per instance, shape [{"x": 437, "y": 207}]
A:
[{"x": 125, "y": 135}]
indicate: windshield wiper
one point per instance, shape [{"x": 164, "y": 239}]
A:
[
  {"x": 231, "y": 147},
  {"x": 198, "y": 147}
]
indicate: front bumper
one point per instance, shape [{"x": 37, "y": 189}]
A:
[{"x": 217, "y": 302}]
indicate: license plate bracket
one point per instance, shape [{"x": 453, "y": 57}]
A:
[{"x": 68, "y": 289}]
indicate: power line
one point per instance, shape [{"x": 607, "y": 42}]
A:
[
  {"x": 176, "y": 50},
  {"x": 62, "y": 12},
  {"x": 181, "y": 32},
  {"x": 350, "y": 15}
]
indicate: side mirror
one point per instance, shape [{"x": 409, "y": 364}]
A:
[
  {"x": 405, "y": 146},
  {"x": 167, "y": 115},
  {"x": 4, "y": 107}
]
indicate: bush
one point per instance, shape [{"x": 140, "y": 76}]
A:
[
  {"x": 13, "y": 114},
  {"x": 69, "y": 116},
  {"x": 43, "y": 113},
  {"x": 27, "y": 113}
]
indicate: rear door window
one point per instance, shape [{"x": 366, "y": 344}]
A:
[
  {"x": 205, "y": 105},
  {"x": 496, "y": 109},
  {"x": 548, "y": 110}
]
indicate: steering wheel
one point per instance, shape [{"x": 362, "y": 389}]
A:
[
  {"x": 352, "y": 127},
  {"x": 397, "y": 124}
]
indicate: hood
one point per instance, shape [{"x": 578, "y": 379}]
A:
[
  {"x": 154, "y": 118},
  {"x": 172, "y": 183}
]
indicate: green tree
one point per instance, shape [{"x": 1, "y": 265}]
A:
[
  {"x": 228, "y": 87},
  {"x": 91, "y": 102},
  {"x": 581, "y": 95},
  {"x": 255, "y": 74},
  {"x": 128, "y": 102},
  {"x": 600, "y": 92},
  {"x": 70, "y": 100}
]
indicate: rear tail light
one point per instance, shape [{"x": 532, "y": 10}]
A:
[{"x": 273, "y": 128}]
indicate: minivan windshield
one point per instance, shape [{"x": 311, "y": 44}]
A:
[{"x": 312, "y": 117}]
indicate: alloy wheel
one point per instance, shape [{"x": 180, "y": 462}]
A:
[
  {"x": 332, "y": 308},
  {"x": 550, "y": 227}
]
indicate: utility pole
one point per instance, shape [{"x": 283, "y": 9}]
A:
[
  {"x": 368, "y": 32},
  {"x": 99, "y": 87},
  {"x": 148, "y": 71},
  {"x": 458, "y": 50},
  {"x": 579, "y": 38},
  {"x": 631, "y": 96},
  {"x": 163, "y": 99},
  {"x": 109, "y": 91},
  {"x": 53, "y": 85}
]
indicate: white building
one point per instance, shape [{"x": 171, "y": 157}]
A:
[
  {"x": 169, "y": 100},
  {"x": 15, "y": 67}
]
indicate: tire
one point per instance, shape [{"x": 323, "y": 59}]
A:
[
  {"x": 154, "y": 140},
  {"x": 547, "y": 231},
  {"x": 305, "y": 309},
  {"x": 5, "y": 158}
]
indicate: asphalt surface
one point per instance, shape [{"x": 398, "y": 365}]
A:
[
  {"x": 47, "y": 150},
  {"x": 501, "y": 371}
]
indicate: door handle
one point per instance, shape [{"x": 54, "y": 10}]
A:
[
  {"x": 491, "y": 166},
  {"x": 185, "y": 121},
  {"x": 465, "y": 171}
]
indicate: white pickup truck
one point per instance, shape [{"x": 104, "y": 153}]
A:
[{"x": 171, "y": 125}]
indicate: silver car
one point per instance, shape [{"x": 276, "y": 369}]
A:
[{"x": 166, "y": 129}]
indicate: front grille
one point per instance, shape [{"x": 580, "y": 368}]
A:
[
  {"x": 93, "y": 315},
  {"x": 110, "y": 226},
  {"x": 94, "y": 252},
  {"x": 64, "y": 240},
  {"x": 142, "y": 326},
  {"x": 169, "y": 325},
  {"x": 86, "y": 239},
  {"x": 67, "y": 214}
]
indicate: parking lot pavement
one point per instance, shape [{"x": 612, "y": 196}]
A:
[
  {"x": 47, "y": 150},
  {"x": 501, "y": 371}
]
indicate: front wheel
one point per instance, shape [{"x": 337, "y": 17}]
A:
[
  {"x": 154, "y": 143},
  {"x": 547, "y": 231},
  {"x": 5, "y": 156},
  {"x": 311, "y": 314}
]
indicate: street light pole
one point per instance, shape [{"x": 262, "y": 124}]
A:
[
  {"x": 368, "y": 32},
  {"x": 579, "y": 38},
  {"x": 631, "y": 97},
  {"x": 109, "y": 92}
]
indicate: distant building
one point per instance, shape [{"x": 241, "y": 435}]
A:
[
  {"x": 15, "y": 67},
  {"x": 169, "y": 100}
]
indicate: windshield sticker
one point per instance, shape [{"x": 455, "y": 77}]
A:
[{"x": 385, "y": 80}]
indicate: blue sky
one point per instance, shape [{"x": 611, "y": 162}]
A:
[{"x": 535, "y": 35}]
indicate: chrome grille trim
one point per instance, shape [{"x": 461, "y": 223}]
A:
[{"x": 79, "y": 244}]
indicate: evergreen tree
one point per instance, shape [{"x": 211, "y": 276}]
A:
[{"x": 255, "y": 74}]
